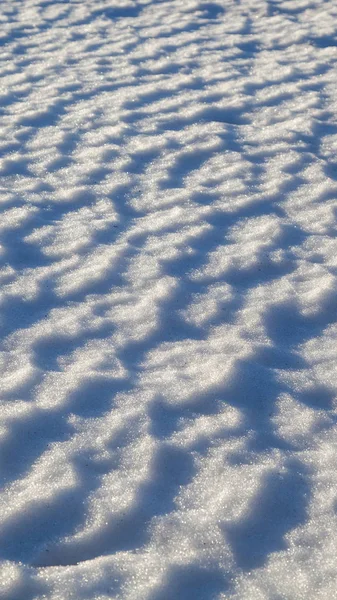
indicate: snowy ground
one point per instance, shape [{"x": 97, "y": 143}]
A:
[{"x": 168, "y": 424}]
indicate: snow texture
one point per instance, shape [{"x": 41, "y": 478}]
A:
[{"x": 168, "y": 364}]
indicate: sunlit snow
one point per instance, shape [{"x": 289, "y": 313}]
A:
[{"x": 168, "y": 299}]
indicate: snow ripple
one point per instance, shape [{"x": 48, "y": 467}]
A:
[{"x": 168, "y": 299}]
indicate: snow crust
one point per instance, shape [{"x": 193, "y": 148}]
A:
[{"x": 168, "y": 270}]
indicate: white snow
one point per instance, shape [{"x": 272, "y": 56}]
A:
[{"x": 168, "y": 307}]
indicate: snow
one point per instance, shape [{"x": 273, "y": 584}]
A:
[{"x": 168, "y": 271}]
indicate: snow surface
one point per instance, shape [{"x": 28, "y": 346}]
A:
[{"x": 168, "y": 425}]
